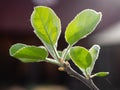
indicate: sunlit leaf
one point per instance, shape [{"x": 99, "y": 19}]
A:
[
  {"x": 82, "y": 25},
  {"x": 94, "y": 51},
  {"x": 26, "y": 53},
  {"x": 47, "y": 27},
  {"x": 81, "y": 57}
]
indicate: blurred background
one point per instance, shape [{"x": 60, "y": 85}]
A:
[{"x": 15, "y": 27}]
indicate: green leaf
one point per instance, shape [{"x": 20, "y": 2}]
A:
[
  {"x": 100, "y": 74},
  {"x": 62, "y": 52},
  {"x": 26, "y": 53},
  {"x": 15, "y": 48},
  {"x": 47, "y": 27},
  {"x": 81, "y": 57},
  {"x": 82, "y": 25},
  {"x": 94, "y": 51}
]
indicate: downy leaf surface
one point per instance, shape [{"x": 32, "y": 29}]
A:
[
  {"x": 81, "y": 57},
  {"x": 47, "y": 27},
  {"x": 82, "y": 25},
  {"x": 27, "y": 53}
]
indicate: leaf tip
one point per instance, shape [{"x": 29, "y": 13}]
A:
[
  {"x": 13, "y": 49},
  {"x": 97, "y": 47},
  {"x": 100, "y": 74}
]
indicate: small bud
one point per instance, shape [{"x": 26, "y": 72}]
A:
[
  {"x": 100, "y": 74},
  {"x": 61, "y": 61},
  {"x": 61, "y": 69}
]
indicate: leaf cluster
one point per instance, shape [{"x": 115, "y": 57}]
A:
[{"x": 47, "y": 27}]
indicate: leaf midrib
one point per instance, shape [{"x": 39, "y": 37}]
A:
[{"x": 52, "y": 45}]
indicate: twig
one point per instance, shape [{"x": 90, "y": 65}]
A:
[{"x": 73, "y": 73}]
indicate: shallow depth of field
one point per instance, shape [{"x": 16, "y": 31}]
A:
[{"x": 15, "y": 27}]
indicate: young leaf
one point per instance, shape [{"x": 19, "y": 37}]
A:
[
  {"x": 94, "y": 51},
  {"x": 15, "y": 48},
  {"x": 26, "y": 53},
  {"x": 62, "y": 52},
  {"x": 67, "y": 54},
  {"x": 100, "y": 74},
  {"x": 81, "y": 57},
  {"x": 47, "y": 27},
  {"x": 82, "y": 25}
]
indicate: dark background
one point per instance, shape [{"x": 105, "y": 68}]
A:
[{"x": 15, "y": 27}]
